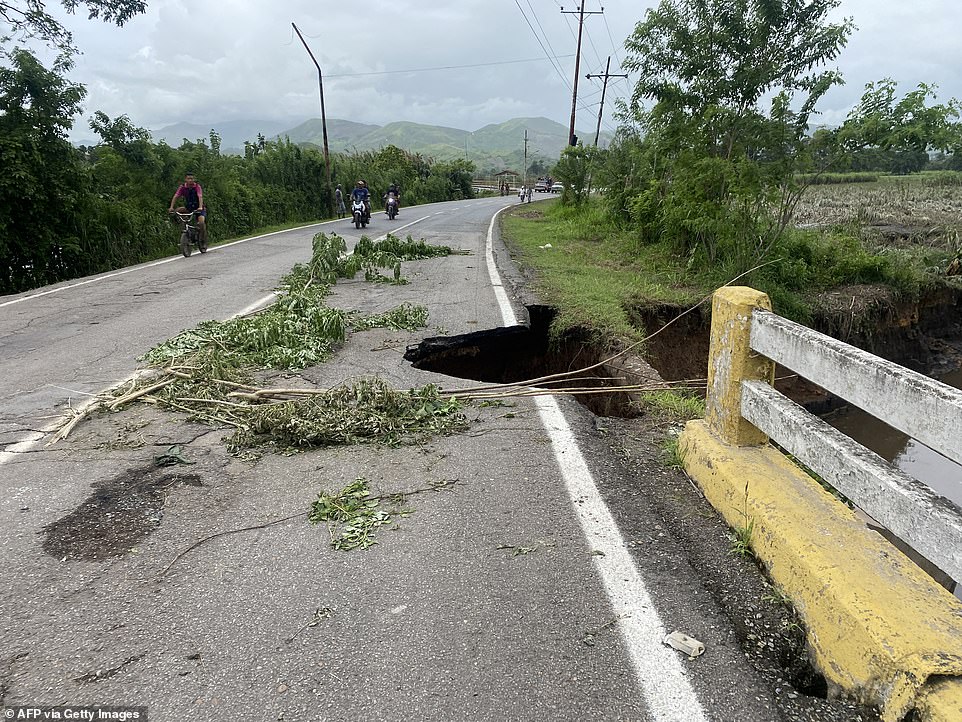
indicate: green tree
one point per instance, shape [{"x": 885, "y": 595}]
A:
[
  {"x": 712, "y": 170},
  {"x": 30, "y": 18},
  {"x": 42, "y": 182},
  {"x": 574, "y": 171},
  {"x": 897, "y": 133}
]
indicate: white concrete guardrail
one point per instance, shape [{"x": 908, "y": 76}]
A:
[
  {"x": 879, "y": 629},
  {"x": 921, "y": 407}
]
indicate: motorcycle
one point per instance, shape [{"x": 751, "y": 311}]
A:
[
  {"x": 360, "y": 213},
  {"x": 390, "y": 206},
  {"x": 191, "y": 233}
]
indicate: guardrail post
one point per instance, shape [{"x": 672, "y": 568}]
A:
[{"x": 731, "y": 361}]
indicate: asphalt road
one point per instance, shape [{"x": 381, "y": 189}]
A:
[{"x": 510, "y": 594}]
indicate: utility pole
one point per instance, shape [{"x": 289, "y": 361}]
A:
[
  {"x": 604, "y": 88},
  {"x": 580, "y": 12},
  {"x": 320, "y": 85},
  {"x": 525, "y": 171}
]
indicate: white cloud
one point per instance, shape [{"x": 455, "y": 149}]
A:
[{"x": 214, "y": 61}]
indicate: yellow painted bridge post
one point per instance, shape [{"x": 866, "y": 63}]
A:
[{"x": 732, "y": 361}]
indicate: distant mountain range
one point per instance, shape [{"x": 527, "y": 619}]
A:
[{"x": 493, "y": 147}]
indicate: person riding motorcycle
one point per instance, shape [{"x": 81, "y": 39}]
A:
[
  {"x": 361, "y": 193},
  {"x": 393, "y": 188},
  {"x": 192, "y": 196}
]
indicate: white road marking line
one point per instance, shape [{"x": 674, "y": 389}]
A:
[
  {"x": 663, "y": 682},
  {"x": 507, "y": 312},
  {"x": 254, "y": 306},
  {"x": 11, "y": 451},
  {"x": 400, "y": 228},
  {"x": 143, "y": 266}
]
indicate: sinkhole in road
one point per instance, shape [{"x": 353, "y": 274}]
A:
[
  {"x": 679, "y": 351},
  {"x": 520, "y": 353}
]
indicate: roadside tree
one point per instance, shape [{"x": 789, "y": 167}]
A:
[
  {"x": 896, "y": 134},
  {"x": 30, "y": 18},
  {"x": 712, "y": 170},
  {"x": 42, "y": 180}
]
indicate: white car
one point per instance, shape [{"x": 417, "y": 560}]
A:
[{"x": 557, "y": 188}]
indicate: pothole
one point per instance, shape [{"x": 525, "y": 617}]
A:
[
  {"x": 119, "y": 514},
  {"x": 521, "y": 353}
]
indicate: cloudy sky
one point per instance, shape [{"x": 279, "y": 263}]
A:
[{"x": 211, "y": 61}]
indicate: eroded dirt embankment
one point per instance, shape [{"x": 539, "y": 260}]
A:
[{"x": 924, "y": 334}]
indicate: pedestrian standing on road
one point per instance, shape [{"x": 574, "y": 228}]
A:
[
  {"x": 522, "y": 193},
  {"x": 339, "y": 201}
]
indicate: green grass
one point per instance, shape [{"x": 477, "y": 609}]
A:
[
  {"x": 594, "y": 269},
  {"x": 674, "y": 405},
  {"x": 591, "y": 270}
]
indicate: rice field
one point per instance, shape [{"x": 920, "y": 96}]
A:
[{"x": 920, "y": 209}]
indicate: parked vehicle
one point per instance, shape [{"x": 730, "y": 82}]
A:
[
  {"x": 542, "y": 185},
  {"x": 390, "y": 206},
  {"x": 557, "y": 187},
  {"x": 360, "y": 214},
  {"x": 191, "y": 233}
]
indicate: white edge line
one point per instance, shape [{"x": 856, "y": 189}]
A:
[
  {"x": 25, "y": 445},
  {"x": 507, "y": 311},
  {"x": 661, "y": 677},
  {"x": 152, "y": 264}
]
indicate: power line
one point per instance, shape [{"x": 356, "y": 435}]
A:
[
  {"x": 443, "y": 67},
  {"x": 545, "y": 35},
  {"x": 612, "y": 40},
  {"x": 547, "y": 55}
]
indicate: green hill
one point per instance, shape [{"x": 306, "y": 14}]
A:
[{"x": 493, "y": 147}]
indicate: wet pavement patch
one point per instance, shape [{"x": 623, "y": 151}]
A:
[{"x": 119, "y": 513}]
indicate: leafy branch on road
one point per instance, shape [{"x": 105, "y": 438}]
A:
[
  {"x": 208, "y": 372},
  {"x": 353, "y": 514}
]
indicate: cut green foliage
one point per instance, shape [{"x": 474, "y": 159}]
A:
[
  {"x": 389, "y": 253},
  {"x": 406, "y": 317},
  {"x": 352, "y": 516},
  {"x": 367, "y": 411},
  {"x": 172, "y": 457},
  {"x": 207, "y": 372}
]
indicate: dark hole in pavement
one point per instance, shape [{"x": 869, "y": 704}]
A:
[
  {"x": 119, "y": 513},
  {"x": 520, "y": 353}
]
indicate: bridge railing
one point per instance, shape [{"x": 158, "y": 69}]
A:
[{"x": 748, "y": 339}]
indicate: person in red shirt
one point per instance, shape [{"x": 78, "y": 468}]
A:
[{"x": 192, "y": 196}]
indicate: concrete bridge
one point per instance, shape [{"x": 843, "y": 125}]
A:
[{"x": 879, "y": 628}]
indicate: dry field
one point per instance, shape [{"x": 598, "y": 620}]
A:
[{"x": 924, "y": 209}]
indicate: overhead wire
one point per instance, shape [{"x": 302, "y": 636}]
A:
[
  {"x": 547, "y": 54},
  {"x": 612, "y": 40},
  {"x": 545, "y": 35},
  {"x": 442, "y": 67}
]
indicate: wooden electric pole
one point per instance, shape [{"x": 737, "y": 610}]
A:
[
  {"x": 525, "y": 171},
  {"x": 320, "y": 85},
  {"x": 580, "y": 12},
  {"x": 604, "y": 88}
]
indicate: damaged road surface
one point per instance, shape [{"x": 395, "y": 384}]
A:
[{"x": 492, "y": 581}]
